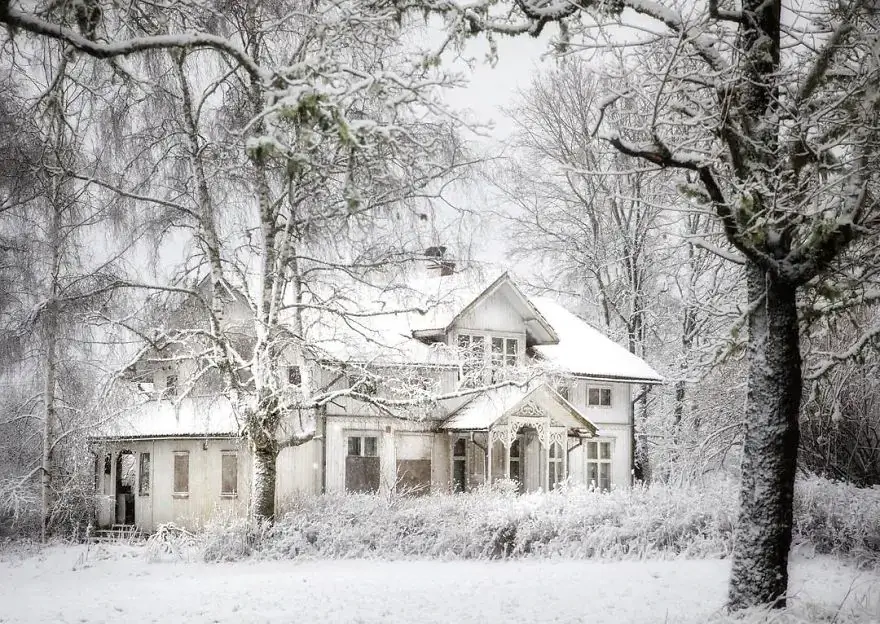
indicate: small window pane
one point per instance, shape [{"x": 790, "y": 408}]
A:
[
  {"x": 605, "y": 450},
  {"x": 460, "y": 447},
  {"x": 229, "y": 474},
  {"x": 606, "y": 397},
  {"x": 354, "y": 446},
  {"x": 371, "y": 447},
  {"x": 144, "y": 475},
  {"x": 591, "y": 450},
  {"x": 605, "y": 476},
  {"x": 294, "y": 375},
  {"x": 593, "y": 396},
  {"x": 497, "y": 345},
  {"x": 511, "y": 346},
  {"x": 555, "y": 451},
  {"x": 464, "y": 341},
  {"x": 593, "y": 474},
  {"x": 181, "y": 473}
]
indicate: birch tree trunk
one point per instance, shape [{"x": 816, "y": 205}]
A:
[
  {"x": 763, "y": 537},
  {"x": 50, "y": 331}
]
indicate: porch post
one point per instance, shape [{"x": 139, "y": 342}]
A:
[
  {"x": 507, "y": 460},
  {"x": 564, "y": 448}
]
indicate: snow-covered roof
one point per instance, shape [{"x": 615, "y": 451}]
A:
[
  {"x": 488, "y": 407},
  {"x": 198, "y": 416},
  {"x": 584, "y": 350},
  {"x": 388, "y": 321}
]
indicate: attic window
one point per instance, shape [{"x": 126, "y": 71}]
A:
[
  {"x": 599, "y": 397},
  {"x": 504, "y": 351},
  {"x": 294, "y": 375}
]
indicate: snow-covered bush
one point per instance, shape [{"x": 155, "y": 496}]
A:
[
  {"x": 838, "y": 518},
  {"x": 492, "y": 523},
  {"x": 657, "y": 521}
]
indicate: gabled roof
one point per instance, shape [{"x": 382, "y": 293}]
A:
[
  {"x": 585, "y": 351},
  {"x": 534, "y": 320},
  {"x": 493, "y": 405}
]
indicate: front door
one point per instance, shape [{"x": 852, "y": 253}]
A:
[{"x": 125, "y": 483}]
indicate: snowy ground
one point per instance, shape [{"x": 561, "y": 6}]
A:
[{"x": 62, "y": 584}]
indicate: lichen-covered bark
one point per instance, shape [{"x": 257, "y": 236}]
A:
[{"x": 763, "y": 535}]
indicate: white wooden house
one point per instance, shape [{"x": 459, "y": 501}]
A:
[{"x": 566, "y": 413}]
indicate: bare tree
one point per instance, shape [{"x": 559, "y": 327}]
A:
[
  {"x": 298, "y": 151},
  {"x": 738, "y": 97}
]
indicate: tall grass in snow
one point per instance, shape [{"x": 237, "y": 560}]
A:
[{"x": 658, "y": 521}]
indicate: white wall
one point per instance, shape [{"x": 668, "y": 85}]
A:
[
  {"x": 204, "y": 501},
  {"x": 388, "y": 431}
]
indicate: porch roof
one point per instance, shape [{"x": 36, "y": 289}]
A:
[{"x": 488, "y": 407}]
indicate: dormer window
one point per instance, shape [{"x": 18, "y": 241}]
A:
[
  {"x": 504, "y": 351},
  {"x": 473, "y": 351},
  {"x": 294, "y": 375}
]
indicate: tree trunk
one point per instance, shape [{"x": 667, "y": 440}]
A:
[
  {"x": 763, "y": 535},
  {"x": 263, "y": 487},
  {"x": 49, "y": 417}
]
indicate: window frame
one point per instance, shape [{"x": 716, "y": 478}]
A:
[
  {"x": 602, "y": 390},
  {"x": 223, "y": 455},
  {"x": 144, "y": 485},
  {"x": 362, "y": 443},
  {"x": 174, "y": 491},
  {"x": 555, "y": 465},
  {"x": 599, "y": 462},
  {"x": 463, "y": 459},
  {"x": 489, "y": 358}
]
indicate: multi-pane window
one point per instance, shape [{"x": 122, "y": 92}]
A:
[
  {"x": 556, "y": 471},
  {"x": 362, "y": 466},
  {"x": 228, "y": 474},
  {"x": 599, "y": 464},
  {"x": 181, "y": 473},
  {"x": 294, "y": 375},
  {"x": 363, "y": 446},
  {"x": 459, "y": 465},
  {"x": 144, "y": 474},
  {"x": 599, "y": 397},
  {"x": 473, "y": 348},
  {"x": 504, "y": 351}
]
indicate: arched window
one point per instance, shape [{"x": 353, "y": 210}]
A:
[{"x": 556, "y": 470}]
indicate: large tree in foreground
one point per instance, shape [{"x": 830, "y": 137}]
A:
[{"x": 774, "y": 112}]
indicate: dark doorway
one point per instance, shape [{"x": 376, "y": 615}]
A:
[
  {"x": 459, "y": 465},
  {"x": 125, "y": 480}
]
